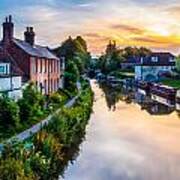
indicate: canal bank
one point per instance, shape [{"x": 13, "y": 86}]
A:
[{"x": 128, "y": 144}]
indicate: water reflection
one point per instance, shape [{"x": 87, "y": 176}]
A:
[
  {"x": 127, "y": 144},
  {"x": 133, "y": 95}
]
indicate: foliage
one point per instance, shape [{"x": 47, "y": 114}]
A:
[
  {"x": 112, "y": 59},
  {"x": 172, "y": 82},
  {"x": 178, "y": 64},
  {"x": 53, "y": 146},
  {"x": 77, "y": 60},
  {"x": 57, "y": 99},
  {"x": 9, "y": 113},
  {"x": 32, "y": 103},
  {"x": 134, "y": 51},
  {"x": 71, "y": 76},
  {"x": 13, "y": 169}
]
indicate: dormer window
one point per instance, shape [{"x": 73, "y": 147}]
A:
[{"x": 154, "y": 59}]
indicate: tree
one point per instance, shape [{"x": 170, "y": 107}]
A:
[
  {"x": 178, "y": 63},
  {"x": 82, "y": 42},
  {"x": 32, "y": 103},
  {"x": 71, "y": 75},
  {"x": 76, "y": 50},
  {"x": 9, "y": 113}
]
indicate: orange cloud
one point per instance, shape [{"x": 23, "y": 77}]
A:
[{"x": 128, "y": 28}]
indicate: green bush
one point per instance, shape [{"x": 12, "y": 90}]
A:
[
  {"x": 53, "y": 146},
  {"x": 13, "y": 169},
  {"x": 9, "y": 113},
  {"x": 32, "y": 104}
]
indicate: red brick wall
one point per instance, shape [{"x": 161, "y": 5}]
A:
[
  {"x": 42, "y": 71},
  {"x": 46, "y": 72},
  {"x": 22, "y": 59}
]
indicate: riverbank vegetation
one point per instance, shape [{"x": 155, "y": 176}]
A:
[
  {"x": 46, "y": 155},
  {"x": 175, "y": 83},
  {"x": 33, "y": 107},
  {"x": 77, "y": 60},
  {"x": 15, "y": 117}
]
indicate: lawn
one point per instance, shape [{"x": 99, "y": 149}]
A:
[
  {"x": 172, "y": 82},
  {"x": 122, "y": 74}
]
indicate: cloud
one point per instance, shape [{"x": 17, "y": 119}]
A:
[
  {"x": 147, "y": 40},
  {"x": 130, "y": 22},
  {"x": 128, "y": 28}
]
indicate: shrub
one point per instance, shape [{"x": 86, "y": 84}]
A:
[
  {"x": 11, "y": 168},
  {"x": 32, "y": 103},
  {"x": 9, "y": 113}
]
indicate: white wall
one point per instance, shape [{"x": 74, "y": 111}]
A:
[
  {"x": 16, "y": 94},
  {"x": 5, "y": 84},
  {"x": 142, "y": 71},
  {"x": 13, "y": 86}
]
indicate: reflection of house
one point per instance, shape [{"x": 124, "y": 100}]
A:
[
  {"x": 10, "y": 77},
  {"x": 178, "y": 100},
  {"x": 150, "y": 68},
  {"x": 164, "y": 95},
  {"x": 37, "y": 63}
]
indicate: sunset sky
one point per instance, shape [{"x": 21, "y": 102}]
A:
[{"x": 150, "y": 23}]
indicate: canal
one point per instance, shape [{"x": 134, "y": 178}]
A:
[{"x": 127, "y": 143}]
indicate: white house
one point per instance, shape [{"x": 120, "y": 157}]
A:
[
  {"x": 10, "y": 84},
  {"x": 152, "y": 67}
]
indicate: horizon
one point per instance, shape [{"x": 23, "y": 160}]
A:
[{"x": 129, "y": 22}]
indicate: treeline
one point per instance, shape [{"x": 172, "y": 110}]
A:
[
  {"x": 46, "y": 155},
  {"x": 77, "y": 59},
  {"x": 111, "y": 60}
]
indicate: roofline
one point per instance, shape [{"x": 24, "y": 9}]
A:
[{"x": 57, "y": 58}]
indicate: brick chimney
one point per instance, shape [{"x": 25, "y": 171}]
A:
[
  {"x": 8, "y": 30},
  {"x": 29, "y": 35}
]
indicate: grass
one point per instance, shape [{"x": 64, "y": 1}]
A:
[
  {"x": 175, "y": 83},
  {"x": 123, "y": 74}
]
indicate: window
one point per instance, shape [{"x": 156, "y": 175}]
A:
[
  {"x": 2, "y": 69},
  {"x": 41, "y": 65},
  {"x": 154, "y": 59},
  {"x": 33, "y": 65},
  {"x": 58, "y": 83},
  {"x": 45, "y": 65},
  {"x": 171, "y": 59},
  {"x": 45, "y": 86},
  {"x": 36, "y": 65},
  {"x": 54, "y": 65}
]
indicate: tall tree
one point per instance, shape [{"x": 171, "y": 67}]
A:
[{"x": 178, "y": 63}]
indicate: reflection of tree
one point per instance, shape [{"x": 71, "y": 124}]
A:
[{"x": 112, "y": 95}]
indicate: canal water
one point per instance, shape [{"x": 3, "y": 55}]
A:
[{"x": 126, "y": 142}]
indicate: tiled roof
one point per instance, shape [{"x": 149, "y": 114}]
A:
[
  {"x": 36, "y": 50},
  {"x": 163, "y": 59},
  {"x": 132, "y": 60}
]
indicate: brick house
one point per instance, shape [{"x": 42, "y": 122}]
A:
[{"x": 37, "y": 63}]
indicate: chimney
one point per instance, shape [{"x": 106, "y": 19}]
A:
[
  {"x": 29, "y": 36},
  {"x": 8, "y": 30}
]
